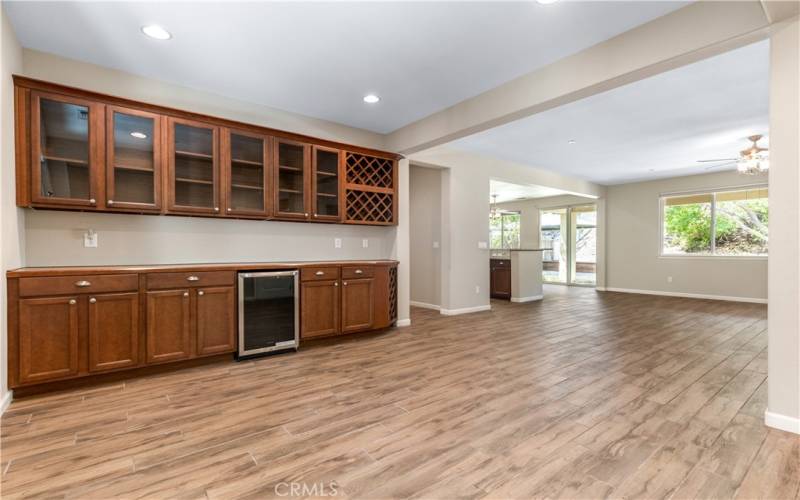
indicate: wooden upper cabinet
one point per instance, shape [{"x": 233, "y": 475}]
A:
[
  {"x": 245, "y": 165},
  {"x": 292, "y": 182},
  {"x": 113, "y": 331},
  {"x": 326, "y": 184},
  {"x": 358, "y": 312},
  {"x": 48, "y": 338},
  {"x": 66, "y": 150},
  {"x": 193, "y": 155},
  {"x": 133, "y": 165}
]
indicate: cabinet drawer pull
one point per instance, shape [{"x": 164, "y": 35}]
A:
[
  {"x": 92, "y": 300},
  {"x": 72, "y": 302},
  {"x": 359, "y": 271},
  {"x": 319, "y": 273},
  {"x": 92, "y": 201},
  {"x": 193, "y": 278},
  {"x": 83, "y": 283},
  {"x": 201, "y": 293},
  {"x": 344, "y": 283},
  {"x": 216, "y": 209},
  {"x": 185, "y": 294},
  {"x": 336, "y": 283}
]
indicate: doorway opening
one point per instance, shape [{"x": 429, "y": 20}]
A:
[{"x": 570, "y": 236}]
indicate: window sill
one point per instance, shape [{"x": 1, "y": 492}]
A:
[{"x": 713, "y": 257}]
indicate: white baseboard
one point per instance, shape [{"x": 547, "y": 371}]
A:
[
  {"x": 403, "y": 322},
  {"x": 465, "y": 310},
  {"x": 6, "y": 401},
  {"x": 527, "y": 299},
  {"x": 424, "y": 305},
  {"x": 688, "y": 295},
  {"x": 782, "y": 422},
  {"x": 600, "y": 288}
]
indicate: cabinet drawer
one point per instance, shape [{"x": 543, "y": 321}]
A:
[
  {"x": 157, "y": 281},
  {"x": 353, "y": 272},
  {"x": 319, "y": 273},
  {"x": 58, "y": 285}
]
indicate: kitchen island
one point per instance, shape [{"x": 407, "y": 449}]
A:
[{"x": 516, "y": 274}]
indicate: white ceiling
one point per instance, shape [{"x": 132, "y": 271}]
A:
[
  {"x": 320, "y": 59},
  {"x": 506, "y": 191},
  {"x": 653, "y": 128}
]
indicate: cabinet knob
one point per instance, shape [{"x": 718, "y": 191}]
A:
[
  {"x": 216, "y": 209},
  {"x": 335, "y": 283},
  {"x": 319, "y": 273},
  {"x": 185, "y": 294},
  {"x": 92, "y": 201},
  {"x": 315, "y": 215},
  {"x": 201, "y": 293},
  {"x": 72, "y": 302},
  {"x": 359, "y": 271},
  {"x": 344, "y": 283},
  {"x": 193, "y": 278},
  {"x": 229, "y": 209},
  {"x": 110, "y": 202},
  {"x": 83, "y": 283},
  {"x": 92, "y": 300}
]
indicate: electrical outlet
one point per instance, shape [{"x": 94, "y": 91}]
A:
[
  {"x": 365, "y": 243},
  {"x": 477, "y": 289},
  {"x": 90, "y": 238},
  {"x": 669, "y": 279},
  {"x": 337, "y": 243}
]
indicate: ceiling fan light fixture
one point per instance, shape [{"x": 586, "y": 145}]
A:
[{"x": 753, "y": 160}]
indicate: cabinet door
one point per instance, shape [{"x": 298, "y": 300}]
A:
[
  {"x": 216, "y": 325},
  {"x": 168, "y": 326},
  {"x": 193, "y": 180},
  {"x": 133, "y": 169},
  {"x": 319, "y": 308},
  {"x": 501, "y": 281},
  {"x": 291, "y": 179},
  {"x": 48, "y": 338},
  {"x": 66, "y": 150},
  {"x": 113, "y": 331},
  {"x": 245, "y": 167},
  {"x": 357, "y": 305},
  {"x": 326, "y": 184}
]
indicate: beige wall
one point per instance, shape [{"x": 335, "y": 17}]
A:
[
  {"x": 784, "y": 229},
  {"x": 426, "y": 228},
  {"x": 54, "y": 238},
  {"x": 632, "y": 244},
  {"x": 11, "y": 218}
]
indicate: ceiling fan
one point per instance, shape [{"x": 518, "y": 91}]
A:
[{"x": 751, "y": 161}]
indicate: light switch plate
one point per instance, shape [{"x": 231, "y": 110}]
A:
[
  {"x": 435, "y": 244},
  {"x": 90, "y": 239},
  {"x": 365, "y": 243},
  {"x": 337, "y": 243},
  {"x": 483, "y": 245}
]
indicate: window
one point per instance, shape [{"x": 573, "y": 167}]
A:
[
  {"x": 719, "y": 223},
  {"x": 504, "y": 230}
]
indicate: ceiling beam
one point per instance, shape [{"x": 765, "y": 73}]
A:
[{"x": 690, "y": 34}]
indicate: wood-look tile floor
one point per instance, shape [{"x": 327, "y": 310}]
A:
[{"x": 583, "y": 395}]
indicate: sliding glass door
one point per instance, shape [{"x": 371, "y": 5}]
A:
[{"x": 570, "y": 236}]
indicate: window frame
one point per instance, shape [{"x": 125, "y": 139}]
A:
[
  {"x": 503, "y": 213},
  {"x": 713, "y": 192}
]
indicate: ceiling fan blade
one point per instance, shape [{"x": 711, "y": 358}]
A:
[
  {"x": 716, "y": 160},
  {"x": 721, "y": 165}
]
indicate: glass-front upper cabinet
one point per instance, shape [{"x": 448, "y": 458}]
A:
[
  {"x": 133, "y": 143},
  {"x": 326, "y": 182},
  {"x": 246, "y": 165},
  {"x": 291, "y": 178},
  {"x": 193, "y": 166},
  {"x": 66, "y": 150}
]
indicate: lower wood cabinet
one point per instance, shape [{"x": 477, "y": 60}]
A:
[
  {"x": 113, "y": 328},
  {"x": 319, "y": 311},
  {"x": 169, "y": 325},
  {"x": 500, "y": 278},
  {"x": 48, "y": 338},
  {"x": 64, "y": 326}
]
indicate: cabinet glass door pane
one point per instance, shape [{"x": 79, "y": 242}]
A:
[
  {"x": 134, "y": 159},
  {"x": 194, "y": 166},
  {"x": 291, "y": 185},
  {"x": 327, "y": 182},
  {"x": 247, "y": 173},
  {"x": 64, "y": 135}
]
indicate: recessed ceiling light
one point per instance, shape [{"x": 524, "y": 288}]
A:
[
  {"x": 157, "y": 32},
  {"x": 371, "y": 98},
  {"x": 546, "y": 2},
  {"x": 571, "y": 141},
  {"x": 139, "y": 135}
]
